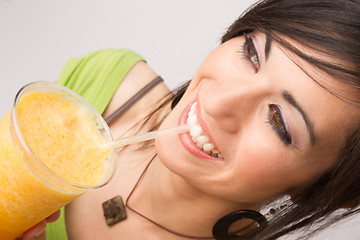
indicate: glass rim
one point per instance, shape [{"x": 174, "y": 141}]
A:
[{"x": 27, "y": 148}]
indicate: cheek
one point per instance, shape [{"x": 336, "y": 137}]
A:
[
  {"x": 169, "y": 151},
  {"x": 168, "y": 143},
  {"x": 262, "y": 169},
  {"x": 169, "y": 147},
  {"x": 266, "y": 172}
]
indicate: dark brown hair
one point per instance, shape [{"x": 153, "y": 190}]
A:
[{"x": 331, "y": 28}]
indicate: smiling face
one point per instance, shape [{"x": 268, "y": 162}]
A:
[{"x": 268, "y": 127}]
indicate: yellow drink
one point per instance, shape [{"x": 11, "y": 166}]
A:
[{"x": 44, "y": 162}]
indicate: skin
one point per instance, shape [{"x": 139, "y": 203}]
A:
[
  {"x": 233, "y": 102},
  {"x": 38, "y": 231}
]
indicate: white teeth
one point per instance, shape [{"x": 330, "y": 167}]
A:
[
  {"x": 208, "y": 147},
  {"x": 215, "y": 151},
  {"x": 193, "y": 107},
  {"x": 197, "y": 135},
  {"x": 192, "y": 120},
  {"x": 195, "y": 131},
  {"x": 202, "y": 139},
  {"x": 199, "y": 145}
]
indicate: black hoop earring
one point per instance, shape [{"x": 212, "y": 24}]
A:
[{"x": 221, "y": 229}]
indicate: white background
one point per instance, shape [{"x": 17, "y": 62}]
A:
[{"x": 37, "y": 37}]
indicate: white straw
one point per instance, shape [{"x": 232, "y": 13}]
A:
[{"x": 147, "y": 136}]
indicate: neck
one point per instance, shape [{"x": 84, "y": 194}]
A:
[{"x": 176, "y": 204}]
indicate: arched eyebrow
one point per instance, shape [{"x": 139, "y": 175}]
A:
[
  {"x": 289, "y": 97},
  {"x": 291, "y": 100},
  {"x": 267, "y": 45}
]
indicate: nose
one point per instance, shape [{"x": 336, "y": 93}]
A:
[{"x": 232, "y": 103}]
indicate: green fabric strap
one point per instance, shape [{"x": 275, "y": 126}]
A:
[
  {"x": 57, "y": 230},
  {"x": 96, "y": 78}
]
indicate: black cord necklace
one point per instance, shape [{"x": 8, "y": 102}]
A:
[{"x": 115, "y": 210}]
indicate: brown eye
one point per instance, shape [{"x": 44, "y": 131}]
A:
[
  {"x": 251, "y": 53},
  {"x": 275, "y": 118}
]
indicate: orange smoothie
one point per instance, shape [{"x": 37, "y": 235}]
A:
[{"x": 55, "y": 165}]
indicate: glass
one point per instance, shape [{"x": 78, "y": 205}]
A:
[{"x": 30, "y": 187}]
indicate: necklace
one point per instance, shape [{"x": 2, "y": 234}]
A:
[{"x": 115, "y": 210}]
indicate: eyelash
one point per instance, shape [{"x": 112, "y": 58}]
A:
[
  {"x": 275, "y": 119},
  {"x": 249, "y": 52}
]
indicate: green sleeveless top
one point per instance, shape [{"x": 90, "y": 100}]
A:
[{"x": 95, "y": 77}]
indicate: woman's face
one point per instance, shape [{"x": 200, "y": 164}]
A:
[{"x": 267, "y": 126}]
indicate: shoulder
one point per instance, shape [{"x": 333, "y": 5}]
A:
[
  {"x": 108, "y": 78},
  {"x": 97, "y": 75},
  {"x": 138, "y": 77},
  {"x": 98, "y": 63}
]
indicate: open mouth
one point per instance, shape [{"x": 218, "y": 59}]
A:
[{"x": 198, "y": 136}]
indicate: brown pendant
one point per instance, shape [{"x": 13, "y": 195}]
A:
[{"x": 114, "y": 210}]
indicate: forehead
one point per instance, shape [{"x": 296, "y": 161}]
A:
[
  {"x": 325, "y": 68},
  {"x": 318, "y": 92}
]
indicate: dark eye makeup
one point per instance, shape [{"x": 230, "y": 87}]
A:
[
  {"x": 276, "y": 120},
  {"x": 274, "y": 116},
  {"x": 249, "y": 52}
]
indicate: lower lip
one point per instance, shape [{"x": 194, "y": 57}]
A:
[{"x": 186, "y": 138}]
